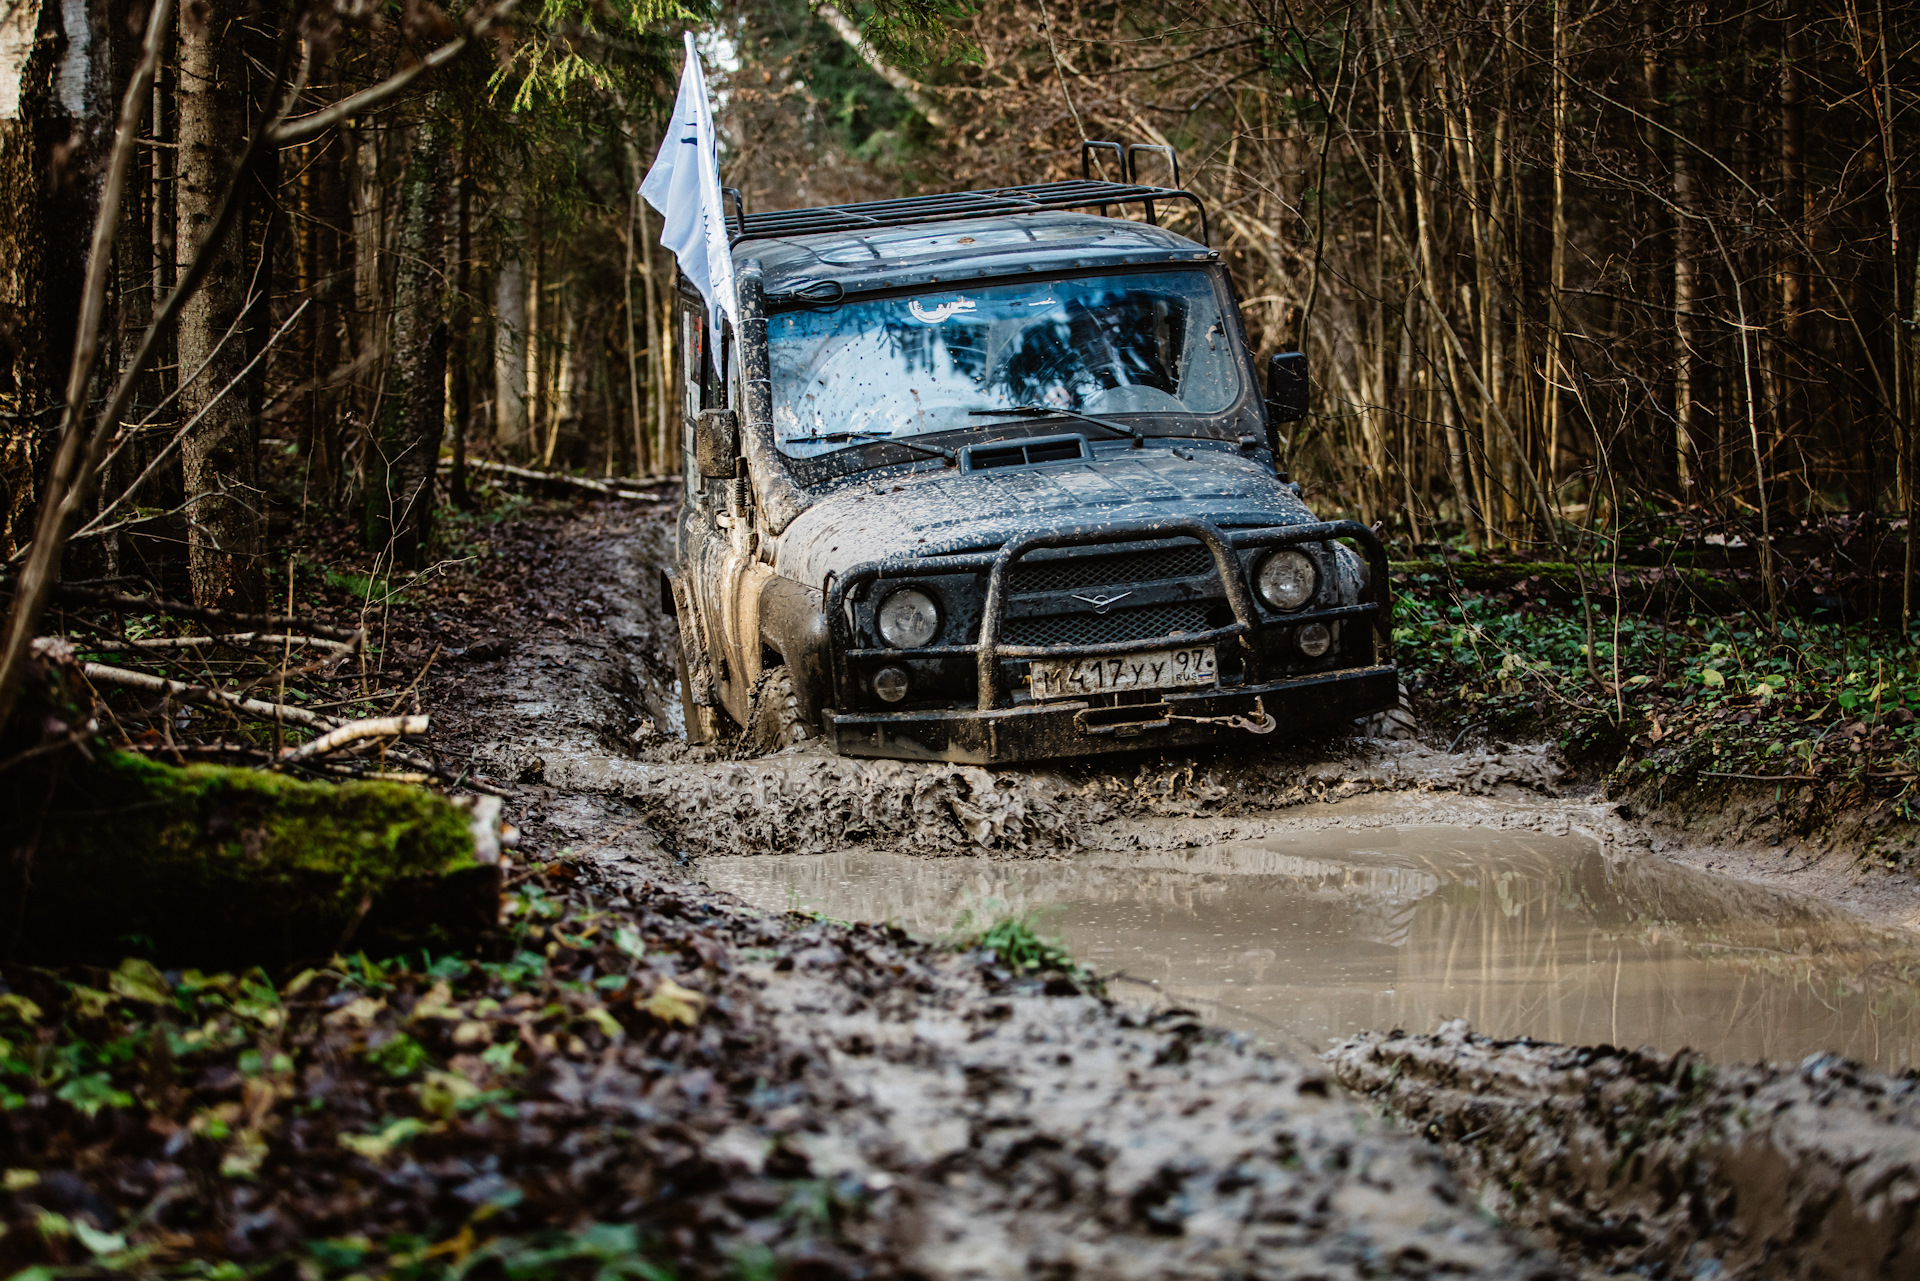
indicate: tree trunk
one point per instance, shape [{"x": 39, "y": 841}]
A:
[
  {"x": 330, "y": 236},
  {"x": 1557, "y": 265},
  {"x": 413, "y": 410},
  {"x": 1686, "y": 253},
  {"x": 642, "y": 463},
  {"x": 460, "y": 338},
  {"x": 510, "y": 405},
  {"x": 219, "y": 458},
  {"x": 1789, "y": 376},
  {"x": 42, "y": 90},
  {"x": 1458, "y": 464}
]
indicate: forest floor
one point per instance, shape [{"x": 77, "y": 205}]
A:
[{"x": 649, "y": 1076}]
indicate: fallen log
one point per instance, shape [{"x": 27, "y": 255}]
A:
[
  {"x": 224, "y": 867},
  {"x": 1644, "y": 1163}
]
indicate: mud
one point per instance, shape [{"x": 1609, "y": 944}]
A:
[
  {"x": 1022, "y": 1132},
  {"x": 1667, "y": 1165},
  {"x": 992, "y": 1126}
]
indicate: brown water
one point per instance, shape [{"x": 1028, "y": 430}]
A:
[{"x": 1314, "y": 935}]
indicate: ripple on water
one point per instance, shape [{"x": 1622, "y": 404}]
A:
[{"x": 1310, "y": 936}]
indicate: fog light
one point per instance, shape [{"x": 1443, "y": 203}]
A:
[
  {"x": 1314, "y": 640},
  {"x": 890, "y": 683}
]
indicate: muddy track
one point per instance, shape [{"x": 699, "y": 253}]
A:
[
  {"x": 1013, "y": 1133},
  {"x": 1667, "y": 1164}
]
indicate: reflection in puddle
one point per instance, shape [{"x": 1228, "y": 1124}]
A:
[{"x": 1315, "y": 935}]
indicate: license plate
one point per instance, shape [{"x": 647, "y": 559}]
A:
[{"x": 1159, "y": 669}]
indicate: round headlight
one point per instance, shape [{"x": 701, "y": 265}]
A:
[
  {"x": 908, "y": 619},
  {"x": 1287, "y": 579},
  {"x": 1314, "y": 640}
]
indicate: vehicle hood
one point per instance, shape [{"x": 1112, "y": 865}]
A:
[{"x": 892, "y": 518}]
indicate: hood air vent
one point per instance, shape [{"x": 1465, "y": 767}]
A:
[{"x": 1025, "y": 453}]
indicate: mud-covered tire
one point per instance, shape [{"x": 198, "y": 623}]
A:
[
  {"x": 700, "y": 724},
  {"x": 774, "y": 718},
  {"x": 1396, "y": 722}
]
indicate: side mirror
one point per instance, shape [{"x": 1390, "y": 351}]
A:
[
  {"x": 1287, "y": 387},
  {"x": 716, "y": 444}
]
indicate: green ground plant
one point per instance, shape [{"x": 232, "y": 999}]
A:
[
  {"x": 1821, "y": 708},
  {"x": 1018, "y": 942},
  {"x": 242, "y": 1090}
]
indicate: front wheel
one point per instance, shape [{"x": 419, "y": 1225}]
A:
[
  {"x": 774, "y": 718},
  {"x": 1396, "y": 722}
]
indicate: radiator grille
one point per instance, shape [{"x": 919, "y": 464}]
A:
[
  {"x": 1184, "y": 559},
  {"x": 1102, "y": 629}
]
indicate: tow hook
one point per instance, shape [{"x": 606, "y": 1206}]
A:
[{"x": 1264, "y": 725}]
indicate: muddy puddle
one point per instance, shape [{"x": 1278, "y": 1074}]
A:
[{"x": 1304, "y": 937}]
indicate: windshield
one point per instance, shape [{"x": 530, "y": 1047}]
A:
[{"x": 908, "y": 365}]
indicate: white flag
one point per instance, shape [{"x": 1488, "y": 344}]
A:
[{"x": 684, "y": 185}]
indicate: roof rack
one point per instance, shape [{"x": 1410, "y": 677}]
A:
[{"x": 1036, "y": 198}]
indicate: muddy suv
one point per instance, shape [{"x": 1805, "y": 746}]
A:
[{"x": 985, "y": 478}]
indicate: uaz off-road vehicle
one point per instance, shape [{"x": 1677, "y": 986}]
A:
[{"x": 982, "y": 478}]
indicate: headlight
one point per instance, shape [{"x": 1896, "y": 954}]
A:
[
  {"x": 1287, "y": 579},
  {"x": 908, "y": 619}
]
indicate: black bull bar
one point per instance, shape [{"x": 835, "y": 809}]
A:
[{"x": 1227, "y": 547}]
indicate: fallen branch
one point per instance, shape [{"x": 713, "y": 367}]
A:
[
  {"x": 101, "y": 674},
  {"x": 204, "y": 750},
  {"x": 181, "y": 609},
  {"x": 230, "y": 638},
  {"x": 638, "y": 491},
  {"x": 355, "y": 732}
]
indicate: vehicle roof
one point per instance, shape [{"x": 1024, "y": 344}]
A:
[{"x": 965, "y": 249}]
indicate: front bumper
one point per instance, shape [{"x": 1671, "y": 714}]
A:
[{"x": 1301, "y": 706}]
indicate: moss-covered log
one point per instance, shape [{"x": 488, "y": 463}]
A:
[{"x": 213, "y": 866}]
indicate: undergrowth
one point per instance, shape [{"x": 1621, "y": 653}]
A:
[
  {"x": 1821, "y": 712},
  {"x": 534, "y": 1110}
]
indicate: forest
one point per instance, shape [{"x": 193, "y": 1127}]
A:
[{"x": 1559, "y": 268}]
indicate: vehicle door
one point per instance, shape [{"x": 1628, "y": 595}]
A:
[{"x": 710, "y": 522}]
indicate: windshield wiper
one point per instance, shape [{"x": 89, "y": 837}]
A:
[
  {"x": 931, "y": 451},
  {"x": 1049, "y": 411},
  {"x": 1139, "y": 437}
]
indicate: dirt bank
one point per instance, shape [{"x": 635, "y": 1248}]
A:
[{"x": 1666, "y": 1165}]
